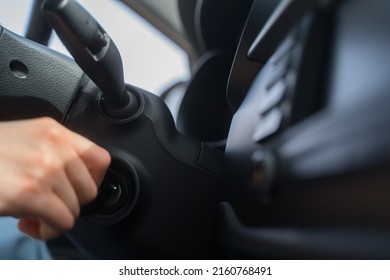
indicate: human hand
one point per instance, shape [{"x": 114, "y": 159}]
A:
[{"x": 46, "y": 173}]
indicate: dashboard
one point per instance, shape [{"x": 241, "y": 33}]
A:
[{"x": 307, "y": 161}]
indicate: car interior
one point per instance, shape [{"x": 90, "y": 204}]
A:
[{"x": 277, "y": 147}]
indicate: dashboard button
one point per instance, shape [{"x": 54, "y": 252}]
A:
[
  {"x": 276, "y": 73},
  {"x": 268, "y": 125},
  {"x": 272, "y": 97},
  {"x": 284, "y": 49}
]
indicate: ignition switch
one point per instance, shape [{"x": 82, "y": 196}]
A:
[
  {"x": 116, "y": 198},
  {"x": 113, "y": 192}
]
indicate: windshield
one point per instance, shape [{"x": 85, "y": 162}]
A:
[{"x": 151, "y": 61}]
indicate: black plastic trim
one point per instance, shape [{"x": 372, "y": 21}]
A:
[
  {"x": 135, "y": 94},
  {"x": 286, "y": 15},
  {"x": 299, "y": 243}
]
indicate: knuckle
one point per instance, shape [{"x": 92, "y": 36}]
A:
[
  {"x": 54, "y": 134},
  {"x": 47, "y": 167},
  {"x": 30, "y": 188},
  {"x": 47, "y": 121},
  {"x": 51, "y": 131},
  {"x": 51, "y": 164}
]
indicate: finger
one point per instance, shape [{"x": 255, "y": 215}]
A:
[
  {"x": 83, "y": 184},
  {"x": 38, "y": 229},
  {"x": 47, "y": 231},
  {"x": 66, "y": 191},
  {"x": 51, "y": 212},
  {"x": 95, "y": 158},
  {"x": 29, "y": 227}
]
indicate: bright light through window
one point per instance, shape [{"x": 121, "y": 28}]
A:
[
  {"x": 15, "y": 14},
  {"x": 151, "y": 61}
]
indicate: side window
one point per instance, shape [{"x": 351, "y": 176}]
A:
[{"x": 151, "y": 61}]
